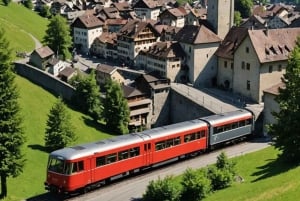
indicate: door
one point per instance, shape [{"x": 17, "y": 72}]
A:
[{"x": 147, "y": 154}]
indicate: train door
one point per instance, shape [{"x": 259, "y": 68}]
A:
[{"x": 147, "y": 154}]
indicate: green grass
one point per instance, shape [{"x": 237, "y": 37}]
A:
[
  {"x": 265, "y": 178},
  {"x": 36, "y": 103},
  {"x": 18, "y": 21}
]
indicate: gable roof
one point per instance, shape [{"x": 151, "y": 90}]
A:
[
  {"x": 87, "y": 22},
  {"x": 231, "y": 41},
  {"x": 273, "y": 44},
  {"x": 193, "y": 34},
  {"x": 176, "y": 12},
  {"x": 133, "y": 27},
  {"x": 165, "y": 50},
  {"x": 275, "y": 88},
  {"x": 152, "y": 4},
  {"x": 107, "y": 69},
  {"x": 44, "y": 52},
  {"x": 131, "y": 91},
  {"x": 107, "y": 37}
]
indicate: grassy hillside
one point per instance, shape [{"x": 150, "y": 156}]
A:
[
  {"x": 36, "y": 103},
  {"x": 265, "y": 179},
  {"x": 18, "y": 21}
]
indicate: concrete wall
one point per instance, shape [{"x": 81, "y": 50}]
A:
[
  {"x": 161, "y": 108},
  {"x": 183, "y": 109},
  {"x": 45, "y": 80}
]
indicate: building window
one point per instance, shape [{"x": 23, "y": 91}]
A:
[
  {"x": 279, "y": 67},
  {"x": 225, "y": 64},
  {"x": 243, "y": 65},
  {"x": 231, "y": 65},
  {"x": 248, "y": 84},
  {"x": 247, "y": 49},
  {"x": 248, "y": 66},
  {"x": 270, "y": 69}
]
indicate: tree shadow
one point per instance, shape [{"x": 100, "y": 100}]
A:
[
  {"x": 38, "y": 147},
  {"x": 273, "y": 168},
  {"x": 46, "y": 197},
  {"x": 97, "y": 125},
  {"x": 136, "y": 199}
]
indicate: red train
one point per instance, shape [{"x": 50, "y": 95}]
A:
[{"x": 85, "y": 166}]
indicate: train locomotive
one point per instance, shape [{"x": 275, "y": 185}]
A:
[{"x": 85, "y": 166}]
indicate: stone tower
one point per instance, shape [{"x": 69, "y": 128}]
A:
[{"x": 220, "y": 15}]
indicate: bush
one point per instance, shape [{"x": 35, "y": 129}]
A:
[
  {"x": 162, "y": 190},
  {"x": 196, "y": 185}
]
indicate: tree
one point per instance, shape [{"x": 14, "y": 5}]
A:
[
  {"x": 58, "y": 36},
  {"x": 244, "y": 7},
  {"x": 286, "y": 131},
  {"x": 11, "y": 132},
  {"x": 237, "y": 18},
  {"x": 45, "y": 11},
  {"x": 162, "y": 190},
  {"x": 59, "y": 131},
  {"x": 6, "y": 2},
  {"x": 116, "y": 111},
  {"x": 222, "y": 174},
  {"x": 196, "y": 185},
  {"x": 28, "y": 4},
  {"x": 87, "y": 95}
]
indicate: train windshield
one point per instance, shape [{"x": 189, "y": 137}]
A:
[{"x": 59, "y": 165}]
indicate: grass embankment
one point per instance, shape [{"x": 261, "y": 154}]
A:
[
  {"x": 265, "y": 178},
  {"x": 17, "y": 22},
  {"x": 35, "y": 105}
]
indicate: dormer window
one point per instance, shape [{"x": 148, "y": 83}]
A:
[{"x": 247, "y": 49}]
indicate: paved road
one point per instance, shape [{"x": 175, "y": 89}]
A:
[{"x": 133, "y": 188}]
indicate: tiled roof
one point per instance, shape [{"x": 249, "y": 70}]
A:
[
  {"x": 273, "y": 44},
  {"x": 106, "y": 68},
  {"x": 231, "y": 41},
  {"x": 122, "y": 6},
  {"x": 67, "y": 71},
  {"x": 165, "y": 50},
  {"x": 152, "y": 3},
  {"x": 134, "y": 27},
  {"x": 87, "y": 22},
  {"x": 107, "y": 37},
  {"x": 275, "y": 88},
  {"x": 193, "y": 34},
  {"x": 44, "y": 52},
  {"x": 131, "y": 91},
  {"x": 118, "y": 21}
]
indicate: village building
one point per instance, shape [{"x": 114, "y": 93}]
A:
[{"x": 40, "y": 57}]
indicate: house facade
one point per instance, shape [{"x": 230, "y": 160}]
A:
[
  {"x": 136, "y": 35},
  {"x": 105, "y": 72},
  {"x": 85, "y": 29},
  {"x": 105, "y": 46},
  {"x": 40, "y": 57},
  {"x": 173, "y": 17},
  {"x": 199, "y": 44},
  {"x": 261, "y": 59},
  {"x": 165, "y": 58}
]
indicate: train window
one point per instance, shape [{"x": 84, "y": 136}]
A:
[
  {"x": 100, "y": 161},
  {"x": 234, "y": 125},
  {"x": 77, "y": 166},
  {"x": 159, "y": 145},
  {"x": 111, "y": 158},
  {"x": 241, "y": 123},
  {"x": 227, "y": 127},
  {"x": 187, "y": 138},
  {"x": 248, "y": 121},
  {"x": 134, "y": 152},
  {"x": 177, "y": 141},
  {"x": 169, "y": 143},
  {"x": 149, "y": 146},
  {"x": 202, "y": 134},
  {"x": 56, "y": 165},
  {"x": 123, "y": 155}
]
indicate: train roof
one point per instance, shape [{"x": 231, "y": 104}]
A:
[
  {"x": 71, "y": 153},
  {"x": 227, "y": 117},
  {"x": 165, "y": 131}
]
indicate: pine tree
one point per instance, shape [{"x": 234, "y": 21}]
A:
[
  {"x": 286, "y": 131},
  {"x": 11, "y": 132},
  {"x": 87, "y": 95},
  {"x": 58, "y": 36},
  {"x": 59, "y": 132},
  {"x": 116, "y": 111}
]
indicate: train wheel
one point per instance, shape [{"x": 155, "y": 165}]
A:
[{"x": 86, "y": 189}]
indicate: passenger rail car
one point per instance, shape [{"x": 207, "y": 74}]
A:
[{"x": 84, "y": 166}]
